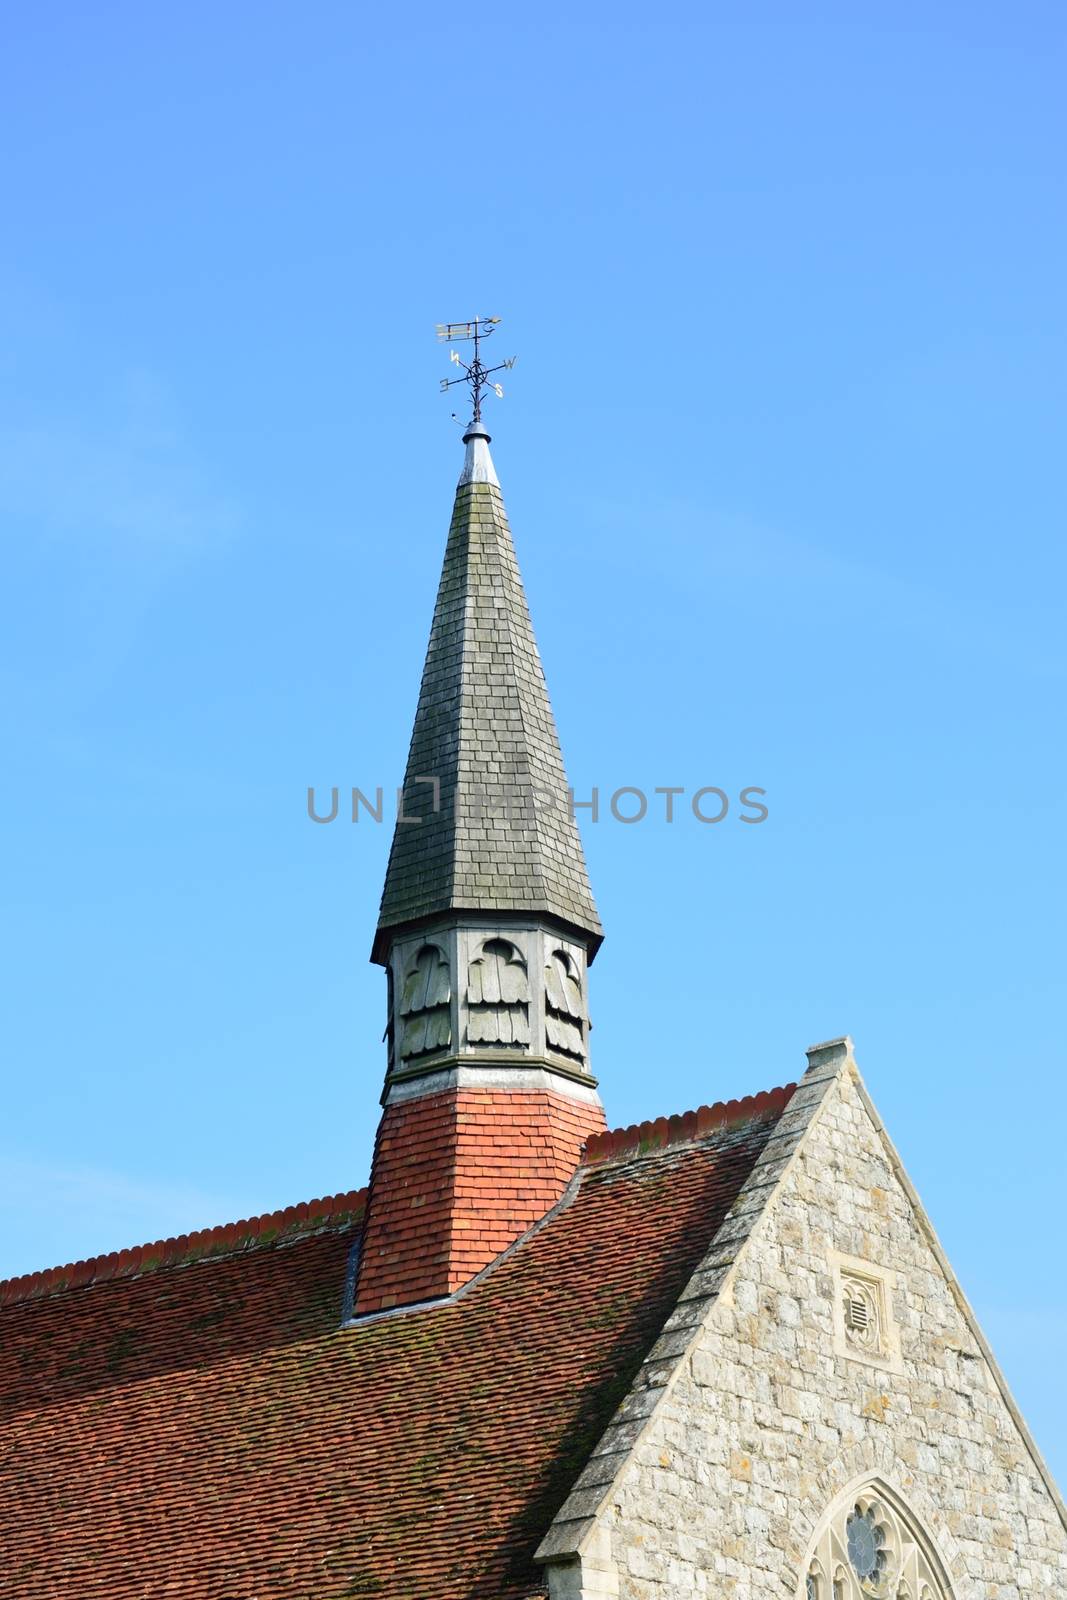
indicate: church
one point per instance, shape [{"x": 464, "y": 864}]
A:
[{"x": 721, "y": 1354}]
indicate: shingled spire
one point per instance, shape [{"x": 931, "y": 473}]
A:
[
  {"x": 487, "y": 928},
  {"x": 487, "y": 823}
]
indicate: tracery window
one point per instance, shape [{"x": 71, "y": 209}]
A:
[{"x": 873, "y": 1552}]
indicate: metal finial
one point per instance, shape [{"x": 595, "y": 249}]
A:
[{"x": 473, "y": 373}]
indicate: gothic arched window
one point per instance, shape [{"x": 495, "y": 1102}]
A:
[{"x": 874, "y": 1551}]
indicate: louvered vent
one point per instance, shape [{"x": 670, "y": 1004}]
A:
[
  {"x": 863, "y": 1323},
  {"x": 857, "y": 1315}
]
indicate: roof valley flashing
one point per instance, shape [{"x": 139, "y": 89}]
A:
[{"x": 487, "y": 929}]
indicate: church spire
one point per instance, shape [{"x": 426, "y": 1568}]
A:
[
  {"x": 487, "y": 928},
  {"x": 487, "y": 821}
]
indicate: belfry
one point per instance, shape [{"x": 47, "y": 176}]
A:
[{"x": 487, "y": 930}]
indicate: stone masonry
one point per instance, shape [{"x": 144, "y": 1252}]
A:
[{"x": 742, "y": 1431}]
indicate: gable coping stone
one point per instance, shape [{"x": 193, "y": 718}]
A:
[
  {"x": 574, "y": 1525},
  {"x": 573, "y": 1531}
]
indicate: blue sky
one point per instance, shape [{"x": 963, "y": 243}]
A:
[{"x": 783, "y": 458}]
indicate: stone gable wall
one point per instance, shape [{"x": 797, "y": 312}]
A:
[{"x": 766, "y": 1425}]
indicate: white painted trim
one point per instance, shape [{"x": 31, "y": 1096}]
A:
[{"x": 490, "y": 1077}]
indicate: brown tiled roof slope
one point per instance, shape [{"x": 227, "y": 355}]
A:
[
  {"x": 209, "y": 1431},
  {"x": 309, "y": 1216}
]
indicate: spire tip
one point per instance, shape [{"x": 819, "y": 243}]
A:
[{"x": 477, "y": 463}]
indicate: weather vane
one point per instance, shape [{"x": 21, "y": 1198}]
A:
[{"x": 474, "y": 374}]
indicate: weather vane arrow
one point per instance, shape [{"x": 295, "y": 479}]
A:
[{"x": 473, "y": 373}]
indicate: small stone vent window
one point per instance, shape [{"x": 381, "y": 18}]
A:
[
  {"x": 863, "y": 1312},
  {"x": 875, "y": 1551}
]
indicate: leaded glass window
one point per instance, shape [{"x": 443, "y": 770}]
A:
[{"x": 873, "y": 1552}]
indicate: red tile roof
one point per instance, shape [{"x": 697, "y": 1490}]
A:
[
  {"x": 338, "y": 1210},
  {"x": 617, "y": 1143},
  {"x": 208, "y": 1431}
]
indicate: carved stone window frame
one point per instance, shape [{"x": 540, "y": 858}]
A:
[
  {"x": 879, "y": 1283},
  {"x": 909, "y": 1569}
]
